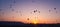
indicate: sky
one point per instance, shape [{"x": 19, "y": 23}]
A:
[{"x": 46, "y": 11}]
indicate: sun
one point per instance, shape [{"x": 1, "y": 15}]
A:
[{"x": 35, "y": 22}]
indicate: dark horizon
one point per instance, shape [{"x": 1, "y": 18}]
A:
[
  {"x": 25, "y": 23},
  {"x": 11, "y": 23}
]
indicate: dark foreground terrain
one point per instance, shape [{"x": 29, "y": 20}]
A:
[{"x": 20, "y": 24}]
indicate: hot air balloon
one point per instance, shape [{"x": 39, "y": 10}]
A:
[
  {"x": 0, "y": 9},
  {"x": 16, "y": 11},
  {"x": 54, "y": 8},
  {"x": 27, "y": 18},
  {"x": 56, "y": 12},
  {"x": 12, "y": 9},
  {"x": 20, "y": 13},
  {"x": 14, "y": 1},
  {"x": 12, "y": 16},
  {"x": 10, "y": 5},
  {"x": 3, "y": 13},
  {"x": 39, "y": 11},
  {"x": 35, "y": 11},
  {"x": 49, "y": 10},
  {"x": 33, "y": 1}
]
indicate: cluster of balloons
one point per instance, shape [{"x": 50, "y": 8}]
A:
[
  {"x": 39, "y": 11},
  {"x": 12, "y": 5},
  {"x": 54, "y": 9},
  {"x": 34, "y": 11}
]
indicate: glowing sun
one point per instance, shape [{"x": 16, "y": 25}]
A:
[{"x": 35, "y": 22}]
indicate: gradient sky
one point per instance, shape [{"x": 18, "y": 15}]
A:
[{"x": 20, "y": 10}]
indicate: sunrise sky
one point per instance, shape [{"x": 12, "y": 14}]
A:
[{"x": 21, "y": 10}]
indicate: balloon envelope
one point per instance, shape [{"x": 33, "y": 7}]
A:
[
  {"x": 27, "y": 18},
  {"x": 54, "y": 8}
]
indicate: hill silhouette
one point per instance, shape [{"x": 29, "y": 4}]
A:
[{"x": 21, "y": 24}]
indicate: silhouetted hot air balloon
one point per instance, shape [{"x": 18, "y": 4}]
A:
[
  {"x": 54, "y": 8},
  {"x": 12, "y": 16},
  {"x": 31, "y": 12},
  {"x": 12, "y": 9},
  {"x": 49, "y": 10},
  {"x": 35, "y": 11},
  {"x": 27, "y": 18},
  {"x": 3, "y": 13},
  {"x": 20, "y": 13},
  {"x": 16, "y": 11},
  {"x": 56, "y": 12},
  {"x": 39, "y": 11},
  {"x": 0, "y": 9},
  {"x": 10, "y": 5},
  {"x": 33, "y": 1},
  {"x": 14, "y": 1}
]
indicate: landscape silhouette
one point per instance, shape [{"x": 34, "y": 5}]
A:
[{"x": 21, "y": 24}]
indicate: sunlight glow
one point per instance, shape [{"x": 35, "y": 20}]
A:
[{"x": 35, "y": 22}]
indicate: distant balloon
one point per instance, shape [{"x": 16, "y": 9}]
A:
[
  {"x": 39, "y": 11},
  {"x": 35, "y": 11},
  {"x": 56, "y": 12},
  {"x": 3, "y": 13},
  {"x": 12, "y": 9},
  {"x": 14, "y": 1},
  {"x": 27, "y": 18},
  {"x": 12, "y": 16},
  {"x": 10, "y": 5},
  {"x": 54, "y": 8},
  {"x": 49, "y": 10},
  {"x": 33, "y": 1},
  {"x": 16, "y": 11},
  {"x": 20, "y": 13},
  {"x": 0, "y": 9},
  {"x": 31, "y": 12}
]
